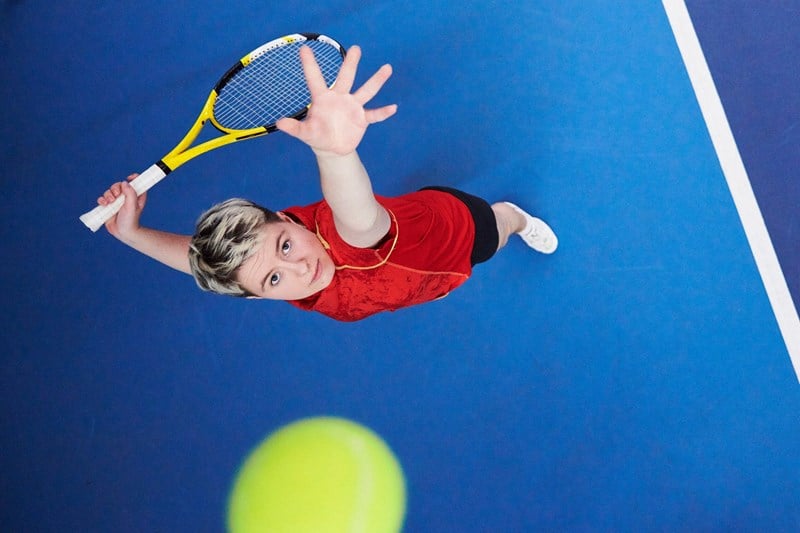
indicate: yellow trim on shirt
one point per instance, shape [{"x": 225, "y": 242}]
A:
[{"x": 382, "y": 262}]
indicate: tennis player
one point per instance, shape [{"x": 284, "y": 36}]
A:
[{"x": 352, "y": 254}]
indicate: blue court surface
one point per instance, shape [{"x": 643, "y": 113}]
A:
[{"x": 640, "y": 379}]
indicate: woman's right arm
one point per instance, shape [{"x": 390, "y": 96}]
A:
[{"x": 170, "y": 249}]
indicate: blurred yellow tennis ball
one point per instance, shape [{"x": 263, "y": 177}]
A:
[{"x": 320, "y": 475}]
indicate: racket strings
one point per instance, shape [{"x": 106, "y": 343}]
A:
[{"x": 272, "y": 86}]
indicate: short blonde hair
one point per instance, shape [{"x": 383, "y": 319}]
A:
[{"x": 225, "y": 237}]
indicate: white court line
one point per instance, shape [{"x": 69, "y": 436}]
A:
[{"x": 736, "y": 176}]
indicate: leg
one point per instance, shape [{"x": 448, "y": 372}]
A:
[
  {"x": 508, "y": 222},
  {"x": 535, "y": 232}
]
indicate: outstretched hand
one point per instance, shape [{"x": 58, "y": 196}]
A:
[{"x": 336, "y": 121}]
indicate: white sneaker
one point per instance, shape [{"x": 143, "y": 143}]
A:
[{"x": 537, "y": 234}]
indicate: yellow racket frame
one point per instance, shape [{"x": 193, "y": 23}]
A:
[{"x": 184, "y": 151}]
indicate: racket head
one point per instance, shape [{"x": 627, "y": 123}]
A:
[{"x": 268, "y": 84}]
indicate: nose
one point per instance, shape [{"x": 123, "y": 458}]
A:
[{"x": 300, "y": 266}]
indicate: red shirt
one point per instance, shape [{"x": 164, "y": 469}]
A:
[{"x": 424, "y": 256}]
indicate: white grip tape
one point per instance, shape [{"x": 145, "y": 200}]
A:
[{"x": 143, "y": 182}]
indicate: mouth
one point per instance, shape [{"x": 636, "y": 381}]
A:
[{"x": 317, "y": 273}]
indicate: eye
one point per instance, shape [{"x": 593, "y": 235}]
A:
[
  {"x": 274, "y": 279},
  {"x": 286, "y": 247}
]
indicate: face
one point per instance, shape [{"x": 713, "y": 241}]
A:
[{"x": 289, "y": 264}]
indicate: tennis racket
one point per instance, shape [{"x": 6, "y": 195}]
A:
[{"x": 264, "y": 86}]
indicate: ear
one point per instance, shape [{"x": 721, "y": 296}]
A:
[{"x": 284, "y": 217}]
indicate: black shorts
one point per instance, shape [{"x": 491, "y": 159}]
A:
[{"x": 486, "y": 237}]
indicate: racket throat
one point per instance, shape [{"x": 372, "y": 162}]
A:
[{"x": 164, "y": 167}]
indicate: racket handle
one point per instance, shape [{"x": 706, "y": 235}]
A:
[{"x": 143, "y": 182}]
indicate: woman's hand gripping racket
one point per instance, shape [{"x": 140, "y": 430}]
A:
[{"x": 264, "y": 86}]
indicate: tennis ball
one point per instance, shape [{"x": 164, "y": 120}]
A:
[{"x": 319, "y": 475}]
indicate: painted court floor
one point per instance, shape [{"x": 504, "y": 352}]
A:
[{"x": 640, "y": 379}]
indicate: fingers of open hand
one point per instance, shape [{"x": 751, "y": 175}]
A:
[
  {"x": 373, "y": 85},
  {"x": 314, "y": 78},
  {"x": 380, "y": 114},
  {"x": 289, "y": 126},
  {"x": 347, "y": 73}
]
